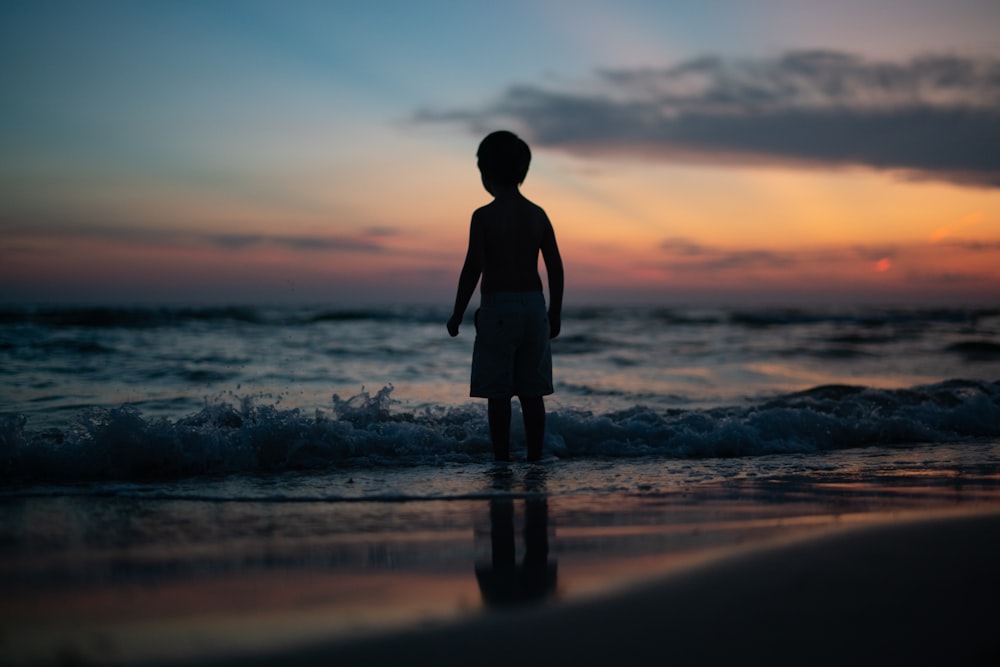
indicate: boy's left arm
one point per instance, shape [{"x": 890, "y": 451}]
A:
[{"x": 554, "y": 270}]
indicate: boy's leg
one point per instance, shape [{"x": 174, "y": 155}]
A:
[
  {"x": 533, "y": 411},
  {"x": 498, "y": 410}
]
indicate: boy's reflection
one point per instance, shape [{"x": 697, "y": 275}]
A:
[{"x": 502, "y": 582}]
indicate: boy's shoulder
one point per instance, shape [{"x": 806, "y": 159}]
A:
[
  {"x": 492, "y": 208},
  {"x": 531, "y": 204}
]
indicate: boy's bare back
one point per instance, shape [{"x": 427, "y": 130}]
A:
[
  {"x": 505, "y": 238},
  {"x": 512, "y": 230}
]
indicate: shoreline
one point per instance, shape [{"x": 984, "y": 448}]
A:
[{"x": 919, "y": 589}]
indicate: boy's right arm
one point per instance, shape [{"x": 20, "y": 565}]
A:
[{"x": 471, "y": 270}]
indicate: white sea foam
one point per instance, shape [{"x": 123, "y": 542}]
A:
[{"x": 366, "y": 431}]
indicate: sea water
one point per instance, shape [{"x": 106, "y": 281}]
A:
[
  {"x": 168, "y": 447},
  {"x": 140, "y": 393}
]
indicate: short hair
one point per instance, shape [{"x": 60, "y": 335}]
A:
[{"x": 504, "y": 158}]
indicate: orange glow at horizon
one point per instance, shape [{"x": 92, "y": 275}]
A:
[{"x": 654, "y": 229}]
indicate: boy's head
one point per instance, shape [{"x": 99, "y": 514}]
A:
[{"x": 504, "y": 158}]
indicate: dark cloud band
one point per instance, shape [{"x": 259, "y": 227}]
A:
[{"x": 931, "y": 117}]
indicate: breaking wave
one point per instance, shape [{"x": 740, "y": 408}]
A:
[{"x": 369, "y": 430}]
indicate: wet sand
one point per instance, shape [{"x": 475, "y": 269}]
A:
[
  {"x": 769, "y": 570},
  {"x": 917, "y": 590}
]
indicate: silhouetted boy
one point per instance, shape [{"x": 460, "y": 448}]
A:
[{"x": 511, "y": 356}]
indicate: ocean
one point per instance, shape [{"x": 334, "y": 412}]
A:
[{"x": 325, "y": 466}]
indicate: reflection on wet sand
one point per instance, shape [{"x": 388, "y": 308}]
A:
[{"x": 502, "y": 581}]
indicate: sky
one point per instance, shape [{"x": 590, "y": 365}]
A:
[{"x": 724, "y": 151}]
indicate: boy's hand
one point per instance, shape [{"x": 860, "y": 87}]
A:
[
  {"x": 555, "y": 324},
  {"x": 453, "y": 325}
]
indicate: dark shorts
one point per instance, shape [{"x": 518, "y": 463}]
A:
[{"x": 512, "y": 355}]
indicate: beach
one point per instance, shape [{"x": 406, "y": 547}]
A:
[{"x": 764, "y": 567}]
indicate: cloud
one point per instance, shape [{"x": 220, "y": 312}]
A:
[
  {"x": 931, "y": 117},
  {"x": 950, "y": 278},
  {"x": 684, "y": 247},
  {"x": 382, "y": 231},
  {"x": 698, "y": 257},
  {"x": 239, "y": 241},
  {"x": 367, "y": 241},
  {"x": 685, "y": 255},
  {"x": 975, "y": 246},
  {"x": 875, "y": 253}
]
